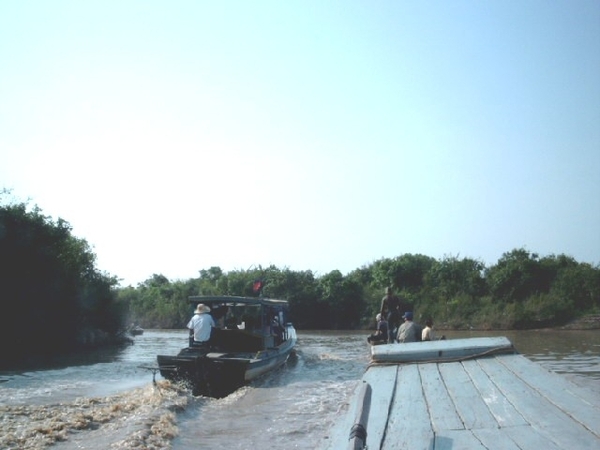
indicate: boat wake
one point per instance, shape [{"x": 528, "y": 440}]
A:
[{"x": 140, "y": 418}]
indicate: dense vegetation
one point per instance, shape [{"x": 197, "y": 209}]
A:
[
  {"x": 522, "y": 290},
  {"x": 54, "y": 299}
]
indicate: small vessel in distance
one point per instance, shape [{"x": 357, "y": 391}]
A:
[
  {"x": 253, "y": 337},
  {"x": 136, "y": 330}
]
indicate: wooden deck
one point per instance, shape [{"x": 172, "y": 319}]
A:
[{"x": 473, "y": 399}]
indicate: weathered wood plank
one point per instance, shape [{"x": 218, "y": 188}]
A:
[
  {"x": 439, "y": 350},
  {"x": 441, "y": 408},
  {"x": 457, "y": 440},
  {"x": 503, "y": 410},
  {"x": 527, "y": 437},
  {"x": 409, "y": 426},
  {"x": 497, "y": 439},
  {"x": 472, "y": 410},
  {"x": 497, "y": 401},
  {"x": 581, "y": 404},
  {"x": 542, "y": 414},
  {"x": 383, "y": 383}
]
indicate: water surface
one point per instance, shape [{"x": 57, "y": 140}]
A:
[{"x": 108, "y": 401}]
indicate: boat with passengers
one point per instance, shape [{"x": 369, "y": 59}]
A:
[
  {"x": 253, "y": 336},
  {"x": 473, "y": 393}
]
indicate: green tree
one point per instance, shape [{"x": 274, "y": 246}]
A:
[{"x": 50, "y": 286}]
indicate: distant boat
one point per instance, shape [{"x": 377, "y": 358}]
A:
[
  {"x": 254, "y": 338},
  {"x": 136, "y": 330},
  {"x": 474, "y": 393}
]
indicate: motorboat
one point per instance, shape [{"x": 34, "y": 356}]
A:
[{"x": 253, "y": 336}]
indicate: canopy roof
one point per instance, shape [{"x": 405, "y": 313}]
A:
[{"x": 231, "y": 300}]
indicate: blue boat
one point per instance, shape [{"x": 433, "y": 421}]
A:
[
  {"x": 476, "y": 393},
  {"x": 253, "y": 337}
]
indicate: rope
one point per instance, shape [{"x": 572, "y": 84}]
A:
[{"x": 358, "y": 431}]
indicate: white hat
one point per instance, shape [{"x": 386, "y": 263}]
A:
[{"x": 201, "y": 308}]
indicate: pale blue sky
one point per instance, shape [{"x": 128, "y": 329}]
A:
[{"x": 313, "y": 135}]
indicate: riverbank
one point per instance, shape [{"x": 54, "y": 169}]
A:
[{"x": 590, "y": 322}]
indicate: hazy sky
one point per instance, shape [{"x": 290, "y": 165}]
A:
[{"x": 312, "y": 135}]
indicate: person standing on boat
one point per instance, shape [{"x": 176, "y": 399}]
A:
[
  {"x": 200, "y": 326},
  {"x": 409, "y": 331},
  {"x": 391, "y": 307}
]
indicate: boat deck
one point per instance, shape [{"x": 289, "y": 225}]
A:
[{"x": 449, "y": 398}]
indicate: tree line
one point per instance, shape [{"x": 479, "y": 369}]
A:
[
  {"x": 522, "y": 290},
  {"x": 55, "y": 299}
]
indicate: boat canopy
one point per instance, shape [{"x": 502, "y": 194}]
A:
[{"x": 231, "y": 300}]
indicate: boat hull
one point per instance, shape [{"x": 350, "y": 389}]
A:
[
  {"x": 205, "y": 375},
  {"x": 215, "y": 374}
]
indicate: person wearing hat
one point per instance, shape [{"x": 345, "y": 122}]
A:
[
  {"x": 200, "y": 326},
  {"x": 409, "y": 331},
  {"x": 381, "y": 333}
]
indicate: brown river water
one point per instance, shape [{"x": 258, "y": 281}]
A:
[{"x": 107, "y": 401}]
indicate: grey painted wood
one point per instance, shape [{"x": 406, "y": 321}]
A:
[
  {"x": 457, "y": 440},
  {"x": 472, "y": 410},
  {"x": 551, "y": 421},
  {"x": 499, "y": 440},
  {"x": 442, "y": 412},
  {"x": 497, "y": 401},
  {"x": 439, "y": 350},
  {"x": 527, "y": 437},
  {"x": 383, "y": 383},
  {"x": 581, "y": 404},
  {"x": 499, "y": 406},
  {"x": 409, "y": 425}
]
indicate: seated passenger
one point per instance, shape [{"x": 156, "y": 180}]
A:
[
  {"x": 381, "y": 333},
  {"x": 409, "y": 331}
]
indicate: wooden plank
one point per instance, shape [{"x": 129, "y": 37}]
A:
[
  {"x": 550, "y": 420},
  {"x": 499, "y": 406},
  {"x": 457, "y": 440},
  {"x": 441, "y": 408},
  {"x": 581, "y": 404},
  {"x": 383, "y": 384},
  {"x": 497, "y": 439},
  {"x": 434, "y": 351},
  {"x": 409, "y": 426},
  {"x": 527, "y": 437},
  {"x": 471, "y": 408},
  {"x": 511, "y": 438}
]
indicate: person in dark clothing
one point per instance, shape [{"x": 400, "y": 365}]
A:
[
  {"x": 381, "y": 333},
  {"x": 393, "y": 307}
]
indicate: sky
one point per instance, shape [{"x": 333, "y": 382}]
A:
[{"x": 318, "y": 135}]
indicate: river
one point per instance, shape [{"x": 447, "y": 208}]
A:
[{"x": 107, "y": 400}]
